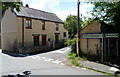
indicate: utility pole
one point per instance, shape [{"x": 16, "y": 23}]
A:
[
  {"x": 78, "y": 44},
  {"x": 0, "y": 22}
]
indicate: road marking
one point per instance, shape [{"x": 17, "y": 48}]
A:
[
  {"x": 113, "y": 69},
  {"x": 84, "y": 68},
  {"x": 58, "y": 61},
  {"x": 48, "y": 60},
  {"x": 62, "y": 64},
  {"x": 61, "y": 51},
  {"x": 77, "y": 67},
  {"x": 73, "y": 66},
  {"x": 55, "y": 62},
  {"x": 43, "y": 57}
]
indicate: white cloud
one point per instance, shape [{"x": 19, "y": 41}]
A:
[
  {"x": 50, "y": 5},
  {"x": 64, "y": 13},
  {"x": 83, "y": 10},
  {"x": 86, "y": 7},
  {"x": 45, "y": 5}
]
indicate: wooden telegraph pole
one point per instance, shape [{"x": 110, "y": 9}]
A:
[
  {"x": 78, "y": 48},
  {"x": 0, "y": 22}
]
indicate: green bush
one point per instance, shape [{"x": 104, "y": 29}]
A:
[
  {"x": 75, "y": 62},
  {"x": 72, "y": 43},
  {"x": 72, "y": 56}
]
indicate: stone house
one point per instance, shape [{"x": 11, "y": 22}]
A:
[{"x": 30, "y": 27}]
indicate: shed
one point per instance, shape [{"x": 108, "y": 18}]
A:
[{"x": 100, "y": 39}]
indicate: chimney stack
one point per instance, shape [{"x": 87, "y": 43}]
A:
[{"x": 27, "y": 5}]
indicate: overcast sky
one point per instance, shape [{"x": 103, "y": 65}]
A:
[{"x": 62, "y": 8}]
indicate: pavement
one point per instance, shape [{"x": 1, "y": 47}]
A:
[
  {"x": 100, "y": 67},
  {"x": 63, "y": 59}
]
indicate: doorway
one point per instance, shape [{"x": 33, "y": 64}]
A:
[
  {"x": 36, "y": 40},
  {"x": 56, "y": 38},
  {"x": 44, "y": 40}
]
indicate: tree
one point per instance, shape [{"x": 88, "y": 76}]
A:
[
  {"x": 71, "y": 25},
  {"x": 108, "y": 12},
  {"x": 86, "y": 22},
  {"x": 6, "y": 5}
]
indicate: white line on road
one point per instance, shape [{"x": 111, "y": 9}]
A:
[{"x": 84, "y": 68}]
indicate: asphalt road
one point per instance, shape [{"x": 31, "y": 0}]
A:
[{"x": 49, "y": 63}]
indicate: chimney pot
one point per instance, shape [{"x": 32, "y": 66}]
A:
[{"x": 27, "y": 5}]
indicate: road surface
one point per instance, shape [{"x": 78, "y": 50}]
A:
[{"x": 49, "y": 63}]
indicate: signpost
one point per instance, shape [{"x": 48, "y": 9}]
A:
[
  {"x": 91, "y": 36},
  {"x": 98, "y": 35},
  {"x": 112, "y": 35}
]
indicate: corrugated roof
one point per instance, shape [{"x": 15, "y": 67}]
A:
[{"x": 37, "y": 14}]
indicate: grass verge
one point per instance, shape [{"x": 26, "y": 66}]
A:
[{"x": 75, "y": 62}]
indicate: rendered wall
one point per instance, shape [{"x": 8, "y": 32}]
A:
[
  {"x": 91, "y": 46},
  {"x": 12, "y": 31},
  {"x": 50, "y": 30},
  {"x": 9, "y": 31}
]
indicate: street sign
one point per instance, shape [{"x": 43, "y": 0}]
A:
[
  {"x": 111, "y": 35},
  {"x": 91, "y": 36},
  {"x": 101, "y": 35}
]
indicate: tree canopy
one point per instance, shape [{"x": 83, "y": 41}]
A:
[
  {"x": 71, "y": 25},
  {"x": 108, "y": 12},
  {"x": 14, "y": 5}
]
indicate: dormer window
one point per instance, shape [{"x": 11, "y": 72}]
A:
[
  {"x": 43, "y": 25},
  {"x": 57, "y": 27},
  {"x": 28, "y": 24}
]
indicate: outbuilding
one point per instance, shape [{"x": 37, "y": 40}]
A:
[{"x": 100, "y": 39}]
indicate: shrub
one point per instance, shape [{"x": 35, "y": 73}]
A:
[
  {"x": 72, "y": 43},
  {"x": 72, "y": 56},
  {"x": 75, "y": 62}
]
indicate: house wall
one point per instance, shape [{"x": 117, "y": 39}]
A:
[
  {"x": 91, "y": 46},
  {"x": 9, "y": 31},
  {"x": 93, "y": 27},
  {"x": 50, "y": 29}
]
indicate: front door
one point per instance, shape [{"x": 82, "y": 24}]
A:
[
  {"x": 56, "y": 38},
  {"x": 43, "y": 40},
  {"x": 36, "y": 40}
]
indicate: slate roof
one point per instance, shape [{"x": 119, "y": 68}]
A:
[{"x": 37, "y": 14}]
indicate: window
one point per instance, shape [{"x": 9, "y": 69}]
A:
[
  {"x": 64, "y": 34},
  {"x": 28, "y": 24},
  {"x": 57, "y": 26},
  {"x": 43, "y": 25}
]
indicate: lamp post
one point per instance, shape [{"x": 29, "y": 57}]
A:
[{"x": 78, "y": 50}]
